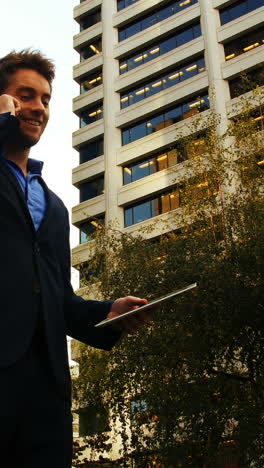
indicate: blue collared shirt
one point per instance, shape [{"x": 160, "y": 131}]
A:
[{"x": 32, "y": 188}]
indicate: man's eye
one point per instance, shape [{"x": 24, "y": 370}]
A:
[
  {"x": 46, "y": 103},
  {"x": 24, "y": 98}
]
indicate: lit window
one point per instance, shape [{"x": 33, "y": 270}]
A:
[{"x": 162, "y": 82}]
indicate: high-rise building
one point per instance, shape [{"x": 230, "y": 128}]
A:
[{"x": 147, "y": 69}]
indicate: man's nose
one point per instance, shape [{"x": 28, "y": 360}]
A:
[{"x": 38, "y": 106}]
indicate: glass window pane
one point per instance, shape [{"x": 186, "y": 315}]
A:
[
  {"x": 155, "y": 124},
  {"x": 174, "y": 115},
  {"x": 155, "y": 87},
  {"x": 140, "y": 170},
  {"x": 120, "y": 5},
  {"x": 165, "y": 203},
  {"x": 224, "y": 15},
  {"x": 131, "y": 98},
  {"x": 184, "y": 36},
  {"x": 128, "y": 217},
  {"x": 166, "y": 12},
  {"x": 137, "y": 95},
  {"x": 196, "y": 30},
  {"x": 135, "y": 61},
  {"x": 125, "y": 137},
  {"x": 90, "y": 81},
  {"x": 237, "y": 10},
  {"x": 88, "y": 228},
  {"x": 138, "y": 131},
  {"x": 123, "y": 66},
  {"x": 142, "y": 212},
  {"x": 122, "y": 35},
  {"x": 155, "y": 207},
  {"x": 124, "y": 101},
  {"x": 167, "y": 45},
  {"x": 152, "y": 166},
  {"x": 91, "y": 150},
  {"x": 149, "y": 21},
  {"x": 162, "y": 161},
  {"x": 133, "y": 29},
  {"x": 127, "y": 172},
  {"x": 152, "y": 53},
  {"x": 174, "y": 200},
  {"x": 201, "y": 65},
  {"x": 130, "y": 2},
  {"x": 255, "y": 4},
  {"x": 150, "y": 90},
  {"x": 173, "y": 78},
  {"x": 91, "y": 189}
]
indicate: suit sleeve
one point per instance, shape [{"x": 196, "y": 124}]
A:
[
  {"x": 82, "y": 315},
  {"x": 8, "y": 124}
]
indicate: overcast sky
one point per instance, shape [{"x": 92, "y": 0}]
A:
[{"x": 49, "y": 27}]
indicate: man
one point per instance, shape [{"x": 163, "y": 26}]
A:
[{"x": 38, "y": 305}]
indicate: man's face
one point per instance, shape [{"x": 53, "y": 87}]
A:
[{"x": 33, "y": 92}]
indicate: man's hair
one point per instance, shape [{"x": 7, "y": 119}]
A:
[{"x": 33, "y": 60}]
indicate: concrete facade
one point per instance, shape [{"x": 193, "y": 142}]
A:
[{"x": 214, "y": 79}]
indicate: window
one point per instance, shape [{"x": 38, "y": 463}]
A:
[
  {"x": 91, "y": 189},
  {"x": 164, "y": 159},
  {"x": 237, "y": 9},
  {"x": 171, "y": 116},
  {"x": 121, "y": 4},
  {"x": 138, "y": 212},
  {"x": 89, "y": 20},
  {"x": 89, "y": 50},
  {"x": 155, "y": 17},
  {"x": 89, "y": 227},
  {"x": 91, "y": 81},
  {"x": 163, "y": 81},
  {"x": 246, "y": 82},
  {"x": 160, "y": 48},
  {"x": 91, "y": 150},
  {"x": 91, "y": 114},
  {"x": 244, "y": 43}
]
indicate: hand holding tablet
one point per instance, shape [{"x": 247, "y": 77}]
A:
[{"x": 151, "y": 304}]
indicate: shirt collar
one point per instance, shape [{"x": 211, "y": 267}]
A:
[{"x": 33, "y": 165}]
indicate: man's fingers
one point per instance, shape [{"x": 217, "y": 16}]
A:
[
  {"x": 17, "y": 106},
  {"x": 9, "y": 104}
]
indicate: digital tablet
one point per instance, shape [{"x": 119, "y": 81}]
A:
[{"x": 150, "y": 304}]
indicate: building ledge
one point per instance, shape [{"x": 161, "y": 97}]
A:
[
  {"x": 241, "y": 25},
  {"x": 243, "y": 62},
  {"x": 85, "y": 7},
  {"x": 87, "y": 66},
  {"x": 85, "y": 134},
  {"x": 159, "y": 30},
  {"x": 162, "y": 100},
  {"x": 88, "y": 170},
  {"x": 158, "y": 140},
  {"x": 88, "y": 209},
  {"x": 160, "y": 64},
  {"x": 87, "y": 35},
  {"x": 86, "y": 99}
]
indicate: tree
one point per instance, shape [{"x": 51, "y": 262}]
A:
[{"x": 190, "y": 386}]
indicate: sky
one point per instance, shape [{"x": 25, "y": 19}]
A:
[{"x": 49, "y": 27}]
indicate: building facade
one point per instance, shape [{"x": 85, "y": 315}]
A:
[{"x": 149, "y": 68}]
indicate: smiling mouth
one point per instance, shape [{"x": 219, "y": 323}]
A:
[{"x": 34, "y": 123}]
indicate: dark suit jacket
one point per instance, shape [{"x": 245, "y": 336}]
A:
[{"x": 34, "y": 268}]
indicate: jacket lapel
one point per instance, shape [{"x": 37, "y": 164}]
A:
[
  {"x": 49, "y": 208},
  {"x": 18, "y": 190}
]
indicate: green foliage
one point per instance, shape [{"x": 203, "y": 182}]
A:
[{"x": 190, "y": 385}]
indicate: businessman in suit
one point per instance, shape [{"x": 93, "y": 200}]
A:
[{"x": 38, "y": 307}]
